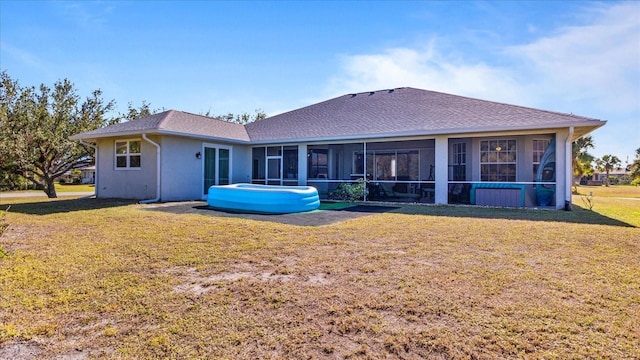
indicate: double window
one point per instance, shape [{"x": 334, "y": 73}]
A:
[
  {"x": 392, "y": 165},
  {"x": 128, "y": 154},
  {"x": 498, "y": 160}
]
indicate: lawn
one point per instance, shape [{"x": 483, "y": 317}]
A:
[
  {"x": 61, "y": 189},
  {"x": 114, "y": 279}
]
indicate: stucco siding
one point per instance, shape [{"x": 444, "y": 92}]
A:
[
  {"x": 241, "y": 164},
  {"x": 181, "y": 169},
  {"x": 127, "y": 184}
]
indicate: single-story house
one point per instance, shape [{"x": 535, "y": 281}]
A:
[
  {"x": 409, "y": 144},
  {"x": 86, "y": 175},
  {"x": 617, "y": 173}
]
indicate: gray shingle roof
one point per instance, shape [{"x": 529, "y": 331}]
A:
[
  {"x": 405, "y": 111},
  {"x": 394, "y": 112},
  {"x": 173, "y": 122}
]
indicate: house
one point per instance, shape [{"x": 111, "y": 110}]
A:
[
  {"x": 410, "y": 144},
  {"x": 617, "y": 175},
  {"x": 84, "y": 175}
]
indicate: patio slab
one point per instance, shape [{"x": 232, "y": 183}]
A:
[{"x": 323, "y": 216}]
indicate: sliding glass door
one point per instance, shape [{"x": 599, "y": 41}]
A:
[{"x": 217, "y": 166}]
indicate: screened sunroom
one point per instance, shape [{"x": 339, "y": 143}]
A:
[
  {"x": 482, "y": 170},
  {"x": 395, "y": 171}
]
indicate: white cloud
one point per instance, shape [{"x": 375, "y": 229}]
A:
[
  {"x": 599, "y": 62},
  {"x": 22, "y": 56},
  {"x": 423, "y": 68},
  {"x": 592, "y": 69},
  {"x": 86, "y": 15}
]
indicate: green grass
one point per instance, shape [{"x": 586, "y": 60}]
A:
[
  {"x": 619, "y": 191},
  {"x": 74, "y": 188},
  {"x": 111, "y": 279},
  {"x": 66, "y": 188}
]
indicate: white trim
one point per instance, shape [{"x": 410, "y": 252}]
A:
[
  {"x": 127, "y": 155},
  {"x": 451, "y": 132},
  {"x": 515, "y": 162},
  {"x": 216, "y": 181},
  {"x": 568, "y": 166},
  {"x": 442, "y": 174}
]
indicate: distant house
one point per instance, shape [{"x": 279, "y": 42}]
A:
[
  {"x": 87, "y": 175},
  {"x": 617, "y": 173},
  {"x": 410, "y": 144}
]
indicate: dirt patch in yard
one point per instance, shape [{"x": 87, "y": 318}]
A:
[{"x": 21, "y": 351}]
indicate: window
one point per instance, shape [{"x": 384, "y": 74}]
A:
[
  {"x": 539, "y": 147},
  {"x": 318, "y": 163},
  {"x": 128, "y": 154},
  {"x": 498, "y": 160},
  {"x": 459, "y": 161},
  {"x": 385, "y": 166},
  {"x": 290, "y": 162},
  {"x": 396, "y": 165},
  {"x": 408, "y": 165}
]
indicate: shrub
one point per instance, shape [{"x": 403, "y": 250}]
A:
[
  {"x": 624, "y": 180},
  {"x": 62, "y": 182},
  {"x": 352, "y": 191}
]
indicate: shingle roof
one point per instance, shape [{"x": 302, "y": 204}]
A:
[
  {"x": 384, "y": 113},
  {"x": 406, "y": 111},
  {"x": 173, "y": 122}
]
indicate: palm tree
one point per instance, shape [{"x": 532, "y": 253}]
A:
[
  {"x": 635, "y": 166},
  {"x": 608, "y": 163},
  {"x": 581, "y": 159}
]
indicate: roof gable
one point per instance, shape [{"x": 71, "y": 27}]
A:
[{"x": 173, "y": 122}]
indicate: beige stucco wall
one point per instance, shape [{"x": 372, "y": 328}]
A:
[
  {"x": 125, "y": 183},
  {"x": 181, "y": 171}
]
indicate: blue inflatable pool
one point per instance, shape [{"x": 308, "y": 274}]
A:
[{"x": 266, "y": 199}]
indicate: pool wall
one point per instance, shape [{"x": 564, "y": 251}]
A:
[{"x": 267, "y": 199}]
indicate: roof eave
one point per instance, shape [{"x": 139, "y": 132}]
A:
[
  {"x": 205, "y": 137},
  {"x": 94, "y": 137},
  {"x": 586, "y": 127}
]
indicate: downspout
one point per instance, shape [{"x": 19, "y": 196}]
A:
[
  {"x": 95, "y": 149},
  {"x": 157, "y": 198},
  {"x": 569, "y": 170}
]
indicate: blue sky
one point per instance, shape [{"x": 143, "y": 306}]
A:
[{"x": 568, "y": 56}]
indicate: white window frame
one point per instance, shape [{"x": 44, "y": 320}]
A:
[
  {"x": 497, "y": 160},
  {"x": 539, "y": 152},
  {"x": 126, "y": 155},
  {"x": 217, "y": 148},
  {"x": 458, "y": 153}
]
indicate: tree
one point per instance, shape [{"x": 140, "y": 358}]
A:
[
  {"x": 35, "y": 126},
  {"x": 608, "y": 163},
  {"x": 243, "y": 118},
  {"x": 635, "y": 167},
  {"x": 581, "y": 159},
  {"x": 135, "y": 113}
]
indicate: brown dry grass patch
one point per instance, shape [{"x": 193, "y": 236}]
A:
[{"x": 113, "y": 280}]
